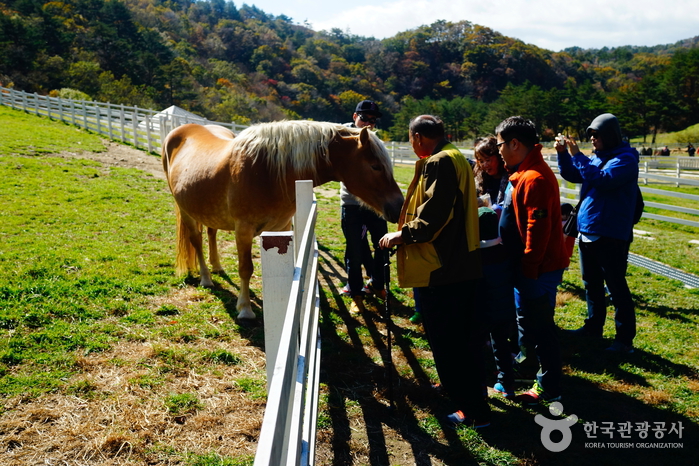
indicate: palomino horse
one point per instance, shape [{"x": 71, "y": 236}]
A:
[{"x": 245, "y": 183}]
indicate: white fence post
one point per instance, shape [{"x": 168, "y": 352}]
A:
[
  {"x": 134, "y": 124},
  {"x": 288, "y": 431},
  {"x": 278, "y": 257},
  {"x": 304, "y": 201}
]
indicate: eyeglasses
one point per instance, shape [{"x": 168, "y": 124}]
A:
[
  {"x": 501, "y": 143},
  {"x": 367, "y": 119}
]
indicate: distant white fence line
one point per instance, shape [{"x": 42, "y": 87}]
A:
[
  {"x": 141, "y": 127},
  {"x": 292, "y": 344},
  {"x": 572, "y": 189},
  {"x": 289, "y": 276}
]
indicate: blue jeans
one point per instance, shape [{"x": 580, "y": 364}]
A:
[
  {"x": 357, "y": 223},
  {"x": 605, "y": 260},
  {"x": 449, "y": 318},
  {"x": 536, "y": 301}
]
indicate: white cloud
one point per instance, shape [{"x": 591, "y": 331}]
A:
[{"x": 587, "y": 24}]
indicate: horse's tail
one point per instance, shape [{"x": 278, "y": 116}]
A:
[{"x": 186, "y": 257}]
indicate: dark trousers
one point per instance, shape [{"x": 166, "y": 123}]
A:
[
  {"x": 605, "y": 261},
  {"x": 496, "y": 308},
  {"x": 357, "y": 223},
  {"x": 536, "y": 302},
  {"x": 449, "y": 318}
]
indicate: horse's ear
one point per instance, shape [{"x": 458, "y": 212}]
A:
[{"x": 364, "y": 137}]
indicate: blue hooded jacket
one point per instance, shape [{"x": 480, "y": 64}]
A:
[{"x": 609, "y": 182}]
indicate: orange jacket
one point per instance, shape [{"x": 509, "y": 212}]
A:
[{"x": 537, "y": 208}]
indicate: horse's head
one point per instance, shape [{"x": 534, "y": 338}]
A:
[{"x": 364, "y": 166}]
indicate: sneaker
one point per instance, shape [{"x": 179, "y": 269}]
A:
[
  {"x": 437, "y": 387},
  {"x": 460, "y": 419},
  {"x": 345, "y": 291},
  {"x": 508, "y": 393},
  {"x": 619, "y": 347},
  {"x": 416, "y": 318},
  {"x": 535, "y": 395}
]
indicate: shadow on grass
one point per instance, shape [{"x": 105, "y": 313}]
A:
[
  {"x": 358, "y": 393},
  {"x": 253, "y": 330},
  {"x": 363, "y": 429}
]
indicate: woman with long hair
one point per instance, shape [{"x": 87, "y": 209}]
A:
[{"x": 489, "y": 172}]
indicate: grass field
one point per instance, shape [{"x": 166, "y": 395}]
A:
[{"x": 107, "y": 358}]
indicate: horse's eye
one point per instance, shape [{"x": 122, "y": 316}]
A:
[{"x": 376, "y": 167}]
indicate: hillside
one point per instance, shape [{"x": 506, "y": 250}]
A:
[{"x": 242, "y": 64}]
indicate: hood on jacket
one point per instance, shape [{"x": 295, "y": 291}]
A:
[{"x": 608, "y": 130}]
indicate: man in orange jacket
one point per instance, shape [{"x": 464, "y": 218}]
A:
[{"x": 530, "y": 227}]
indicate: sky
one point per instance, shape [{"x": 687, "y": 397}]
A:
[{"x": 544, "y": 23}]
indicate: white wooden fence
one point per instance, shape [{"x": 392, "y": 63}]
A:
[
  {"x": 143, "y": 128},
  {"x": 572, "y": 189},
  {"x": 289, "y": 275},
  {"x": 292, "y": 343}
]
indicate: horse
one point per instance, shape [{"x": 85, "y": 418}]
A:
[{"x": 245, "y": 184}]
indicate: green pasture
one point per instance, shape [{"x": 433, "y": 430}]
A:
[
  {"x": 86, "y": 268},
  {"x": 687, "y": 135}
]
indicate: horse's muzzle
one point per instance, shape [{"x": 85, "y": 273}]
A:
[{"x": 391, "y": 210}]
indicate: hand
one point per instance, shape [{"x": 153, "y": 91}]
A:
[
  {"x": 574, "y": 149},
  {"x": 391, "y": 239},
  {"x": 560, "y": 144}
]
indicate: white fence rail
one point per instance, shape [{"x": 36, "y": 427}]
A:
[
  {"x": 571, "y": 189},
  {"x": 289, "y": 269},
  {"x": 143, "y": 128},
  {"x": 292, "y": 344}
]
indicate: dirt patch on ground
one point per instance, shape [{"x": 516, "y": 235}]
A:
[{"x": 119, "y": 155}]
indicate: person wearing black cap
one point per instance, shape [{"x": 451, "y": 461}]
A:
[
  {"x": 366, "y": 114},
  {"x": 357, "y": 223},
  {"x": 606, "y": 215}
]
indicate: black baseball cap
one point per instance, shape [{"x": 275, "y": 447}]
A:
[{"x": 368, "y": 106}]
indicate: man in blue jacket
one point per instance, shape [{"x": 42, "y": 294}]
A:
[{"x": 605, "y": 224}]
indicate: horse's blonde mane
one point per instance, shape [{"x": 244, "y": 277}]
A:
[{"x": 296, "y": 145}]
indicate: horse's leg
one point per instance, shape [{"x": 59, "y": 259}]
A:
[
  {"x": 214, "y": 257},
  {"x": 193, "y": 229},
  {"x": 243, "y": 239}
]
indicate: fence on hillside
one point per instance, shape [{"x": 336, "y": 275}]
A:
[
  {"x": 141, "y": 127},
  {"x": 292, "y": 343},
  {"x": 145, "y": 129}
]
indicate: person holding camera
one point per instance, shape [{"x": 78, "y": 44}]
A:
[{"x": 605, "y": 219}]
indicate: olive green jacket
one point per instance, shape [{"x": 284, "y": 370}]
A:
[{"x": 439, "y": 222}]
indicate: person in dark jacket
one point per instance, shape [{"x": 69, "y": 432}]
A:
[
  {"x": 358, "y": 222},
  {"x": 439, "y": 256},
  {"x": 489, "y": 172},
  {"x": 605, "y": 224}
]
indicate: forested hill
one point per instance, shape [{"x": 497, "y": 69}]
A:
[{"x": 230, "y": 63}]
